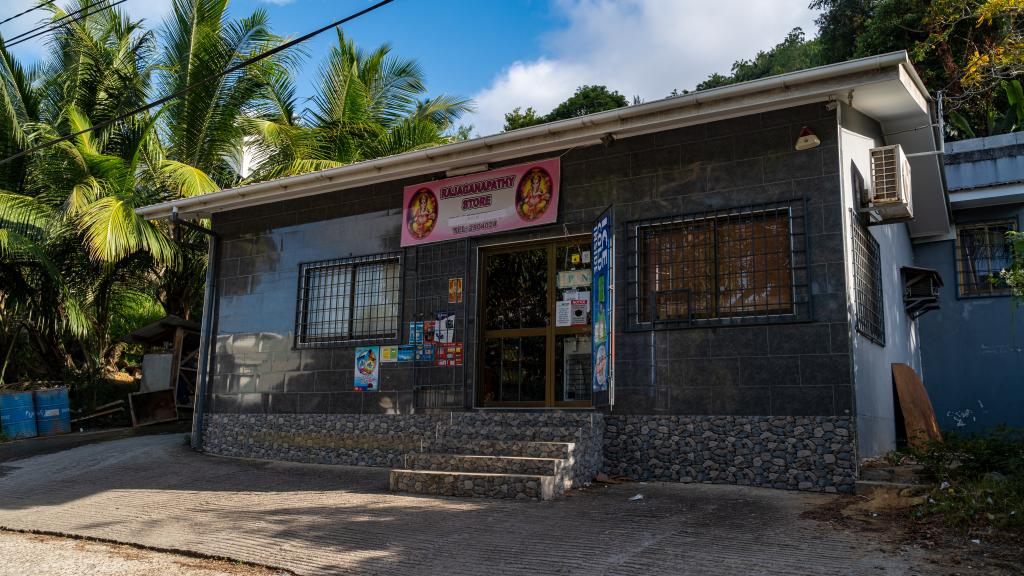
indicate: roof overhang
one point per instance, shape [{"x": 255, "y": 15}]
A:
[{"x": 885, "y": 87}]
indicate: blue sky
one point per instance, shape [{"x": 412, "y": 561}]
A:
[{"x": 525, "y": 52}]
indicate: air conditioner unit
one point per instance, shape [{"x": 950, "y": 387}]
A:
[{"x": 889, "y": 197}]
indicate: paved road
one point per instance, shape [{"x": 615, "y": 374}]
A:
[
  {"x": 340, "y": 520},
  {"x": 18, "y": 449}
]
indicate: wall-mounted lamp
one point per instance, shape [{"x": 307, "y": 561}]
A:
[{"x": 807, "y": 140}]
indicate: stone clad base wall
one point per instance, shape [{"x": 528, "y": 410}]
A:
[
  {"x": 352, "y": 439},
  {"x": 789, "y": 452},
  {"x": 386, "y": 439}
]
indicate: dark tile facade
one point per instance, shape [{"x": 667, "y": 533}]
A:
[{"x": 783, "y": 369}]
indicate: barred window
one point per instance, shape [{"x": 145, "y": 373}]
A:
[
  {"x": 982, "y": 251},
  {"x": 723, "y": 267},
  {"x": 348, "y": 300},
  {"x": 867, "y": 285}
]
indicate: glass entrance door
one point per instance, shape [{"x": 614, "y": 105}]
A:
[{"x": 535, "y": 325}]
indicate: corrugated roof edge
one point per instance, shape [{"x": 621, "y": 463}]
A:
[{"x": 421, "y": 161}]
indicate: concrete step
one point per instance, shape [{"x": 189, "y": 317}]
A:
[
  {"x": 477, "y": 463},
  {"x": 473, "y": 484},
  {"x": 500, "y": 431},
  {"x": 526, "y": 449}
]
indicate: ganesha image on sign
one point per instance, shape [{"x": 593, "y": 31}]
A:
[
  {"x": 533, "y": 196},
  {"x": 422, "y": 213}
]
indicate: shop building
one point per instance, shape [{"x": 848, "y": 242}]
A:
[
  {"x": 972, "y": 349},
  {"x": 696, "y": 289}
]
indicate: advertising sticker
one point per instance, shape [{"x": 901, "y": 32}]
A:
[
  {"x": 367, "y": 368},
  {"x": 444, "y": 331},
  {"x": 449, "y": 354},
  {"x": 602, "y": 304}
]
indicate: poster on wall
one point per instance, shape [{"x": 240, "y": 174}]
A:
[
  {"x": 455, "y": 290},
  {"x": 425, "y": 353},
  {"x": 367, "y": 368},
  {"x": 406, "y": 353},
  {"x": 602, "y": 304},
  {"x": 449, "y": 354},
  {"x": 497, "y": 200},
  {"x": 389, "y": 353},
  {"x": 444, "y": 331}
]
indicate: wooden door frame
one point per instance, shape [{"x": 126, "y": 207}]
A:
[{"x": 550, "y": 332}]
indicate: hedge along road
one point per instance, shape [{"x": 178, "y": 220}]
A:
[{"x": 314, "y": 519}]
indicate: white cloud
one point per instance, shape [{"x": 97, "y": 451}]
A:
[
  {"x": 638, "y": 47},
  {"x": 153, "y": 11}
]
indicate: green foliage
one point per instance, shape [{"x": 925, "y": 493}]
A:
[
  {"x": 966, "y": 48},
  {"x": 1013, "y": 275},
  {"x": 367, "y": 104},
  {"x": 1010, "y": 119},
  {"x": 519, "y": 119},
  {"x": 586, "y": 100},
  {"x": 895, "y": 457},
  {"x": 793, "y": 53},
  {"x": 79, "y": 269},
  {"x": 979, "y": 480}
]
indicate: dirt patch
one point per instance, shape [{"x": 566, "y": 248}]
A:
[
  {"x": 888, "y": 514},
  {"x": 26, "y": 553}
]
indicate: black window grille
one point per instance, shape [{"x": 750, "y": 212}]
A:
[
  {"x": 867, "y": 283},
  {"x": 982, "y": 252},
  {"x": 348, "y": 300},
  {"x": 738, "y": 266}
]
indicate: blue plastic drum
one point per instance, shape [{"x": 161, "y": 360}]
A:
[
  {"x": 53, "y": 413},
  {"x": 17, "y": 415}
]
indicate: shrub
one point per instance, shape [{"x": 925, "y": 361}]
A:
[{"x": 979, "y": 480}]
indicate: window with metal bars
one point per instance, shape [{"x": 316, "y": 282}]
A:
[
  {"x": 867, "y": 284},
  {"x": 348, "y": 300},
  {"x": 739, "y": 266},
  {"x": 982, "y": 251}
]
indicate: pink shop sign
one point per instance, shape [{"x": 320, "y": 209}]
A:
[{"x": 483, "y": 203}]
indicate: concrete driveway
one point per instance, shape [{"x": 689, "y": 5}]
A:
[{"x": 312, "y": 519}]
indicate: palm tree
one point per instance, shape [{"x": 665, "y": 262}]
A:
[
  {"x": 78, "y": 268},
  {"x": 368, "y": 104},
  {"x": 71, "y": 209}
]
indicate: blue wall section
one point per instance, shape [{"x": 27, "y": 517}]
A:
[{"x": 972, "y": 349}]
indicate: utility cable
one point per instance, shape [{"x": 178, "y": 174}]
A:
[
  {"x": 32, "y": 9},
  {"x": 186, "y": 89},
  {"x": 75, "y": 16}
]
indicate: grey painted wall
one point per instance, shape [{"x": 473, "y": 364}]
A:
[
  {"x": 876, "y": 430},
  {"x": 788, "y": 369},
  {"x": 972, "y": 349}
]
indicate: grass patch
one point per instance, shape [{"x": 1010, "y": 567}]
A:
[{"x": 978, "y": 482}]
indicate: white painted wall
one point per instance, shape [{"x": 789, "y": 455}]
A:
[{"x": 872, "y": 376}]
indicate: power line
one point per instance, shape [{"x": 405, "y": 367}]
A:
[
  {"x": 51, "y": 26},
  {"x": 186, "y": 89},
  {"x": 32, "y": 9}
]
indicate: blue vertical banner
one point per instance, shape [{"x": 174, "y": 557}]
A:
[{"x": 602, "y": 313}]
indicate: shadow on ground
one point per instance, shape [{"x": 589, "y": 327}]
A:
[{"x": 315, "y": 519}]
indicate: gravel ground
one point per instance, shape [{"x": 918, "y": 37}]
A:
[{"x": 33, "y": 554}]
